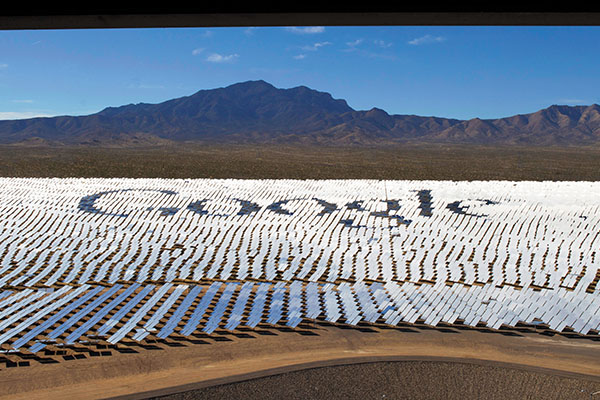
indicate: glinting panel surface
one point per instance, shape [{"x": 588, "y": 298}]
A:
[{"x": 130, "y": 258}]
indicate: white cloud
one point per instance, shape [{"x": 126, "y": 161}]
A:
[
  {"x": 3, "y": 65},
  {"x": 573, "y": 101},
  {"x": 367, "y": 53},
  {"x": 355, "y": 43},
  {"x": 315, "y": 46},
  {"x": 218, "y": 58},
  {"x": 250, "y": 30},
  {"x": 206, "y": 34},
  {"x": 23, "y": 101},
  {"x": 21, "y": 115},
  {"x": 300, "y": 56},
  {"x": 197, "y": 51},
  {"x": 306, "y": 30},
  {"x": 382, "y": 43},
  {"x": 426, "y": 39}
]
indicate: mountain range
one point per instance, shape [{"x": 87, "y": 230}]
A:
[{"x": 258, "y": 112}]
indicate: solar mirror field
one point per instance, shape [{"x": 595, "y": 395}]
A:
[{"x": 102, "y": 261}]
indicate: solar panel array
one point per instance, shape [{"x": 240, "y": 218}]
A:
[{"x": 111, "y": 259}]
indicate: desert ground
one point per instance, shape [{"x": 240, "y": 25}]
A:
[
  {"x": 400, "y": 380},
  {"x": 402, "y": 162}
]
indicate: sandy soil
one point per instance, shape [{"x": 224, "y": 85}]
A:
[
  {"x": 401, "y": 380},
  {"x": 228, "y": 357}
]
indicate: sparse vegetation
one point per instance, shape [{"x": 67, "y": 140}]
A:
[{"x": 436, "y": 162}]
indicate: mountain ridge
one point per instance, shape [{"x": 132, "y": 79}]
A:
[{"x": 258, "y": 112}]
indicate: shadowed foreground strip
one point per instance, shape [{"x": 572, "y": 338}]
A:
[{"x": 401, "y": 380}]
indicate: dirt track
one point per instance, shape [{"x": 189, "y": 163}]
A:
[
  {"x": 401, "y": 380},
  {"x": 211, "y": 362}
]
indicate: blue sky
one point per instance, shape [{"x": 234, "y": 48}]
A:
[{"x": 455, "y": 72}]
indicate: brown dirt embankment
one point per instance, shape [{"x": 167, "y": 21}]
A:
[
  {"x": 216, "y": 361},
  {"x": 402, "y": 380}
]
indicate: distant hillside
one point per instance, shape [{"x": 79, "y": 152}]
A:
[{"x": 257, "y": 112}]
